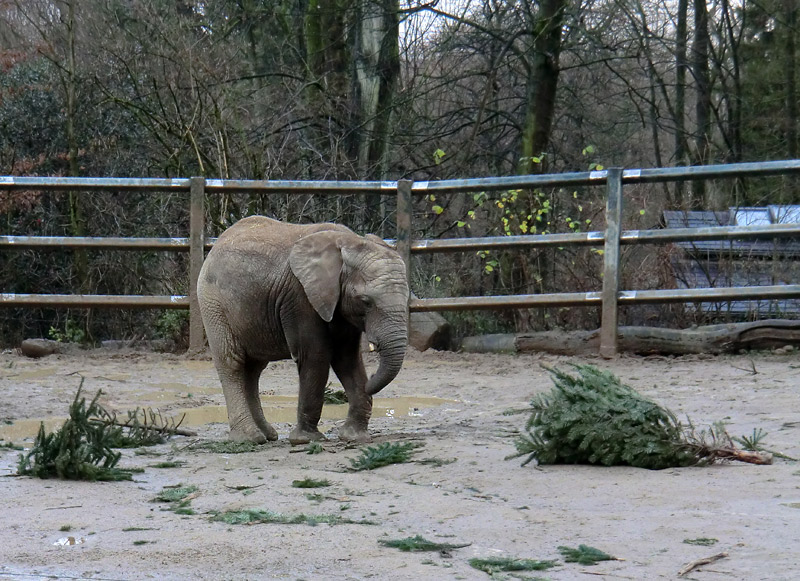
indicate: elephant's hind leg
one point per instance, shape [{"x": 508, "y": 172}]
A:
[
  {"x": 245, "y": 425},
  {"x": 253, "y": 371}
]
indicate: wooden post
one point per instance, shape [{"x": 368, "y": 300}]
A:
[
  {"x": 611, "y": 255},
  {"x": 403, "y": 220},
  {"x": 197, "y": 191}
]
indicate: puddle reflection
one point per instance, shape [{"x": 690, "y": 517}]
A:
[{"x": 277, "y": 409}]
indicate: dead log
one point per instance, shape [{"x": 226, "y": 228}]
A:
[{"x": 712, "y": 339}]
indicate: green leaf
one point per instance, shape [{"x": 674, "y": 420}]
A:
[{"x": 437, "y": 210}]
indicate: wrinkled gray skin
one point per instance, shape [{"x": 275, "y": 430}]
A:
[{"x": 270, "y": 290}]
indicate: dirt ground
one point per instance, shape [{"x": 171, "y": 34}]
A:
[{"x": 500, "y": 508}]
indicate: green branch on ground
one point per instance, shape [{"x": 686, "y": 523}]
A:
[
  {"x": 226, "y": 447},
  {"x": 382, "y": 455},
  {"x": 335, "y": 396},
  {"x": 584, "y": 555},
  {"x": 593, "y": 418},
  {"x": 419, "y": 544},
  {"x": 179, "y": 498},
  {"x": 259, "y": 516},
  {"x": 82, "y": 448},
  {"x": 310, "y": 483},
  {"x": 494, "y": 565}
]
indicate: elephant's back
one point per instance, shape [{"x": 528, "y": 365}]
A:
[{"x": 262, "y": 234}]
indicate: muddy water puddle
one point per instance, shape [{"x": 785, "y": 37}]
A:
[{"x": 277, "y": 409}]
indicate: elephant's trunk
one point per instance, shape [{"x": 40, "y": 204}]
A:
[{"x": 391, "y": 359}]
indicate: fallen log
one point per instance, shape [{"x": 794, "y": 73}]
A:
[{"x": 712, "y": 339}]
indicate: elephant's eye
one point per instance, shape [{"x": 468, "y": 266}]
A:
[{"x": 366, "y": 301}]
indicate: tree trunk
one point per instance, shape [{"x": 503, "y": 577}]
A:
[
  {"x": 376, "y": 58},
  {"x": 790, "y": 19},
  {"x": 702, "y": 78},
  {"x": 76, "y": 216},
  {"x": 543, "y": 72}
]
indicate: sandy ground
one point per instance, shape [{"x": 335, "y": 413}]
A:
[{"x": 499, "y": 507}]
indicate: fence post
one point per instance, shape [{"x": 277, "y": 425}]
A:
[
  {"x": 403, "y": 220},
  {"x": 611, "y": 255},
  {"x": 197, "y": 192}
]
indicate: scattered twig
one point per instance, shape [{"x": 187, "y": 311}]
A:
[
  {"x": 751, "y": 371},
  {"x": 244, "y": 487},
  {"x": 700, "y": 562}
]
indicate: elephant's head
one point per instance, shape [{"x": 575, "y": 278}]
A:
[{"x": 366, "y": 280}]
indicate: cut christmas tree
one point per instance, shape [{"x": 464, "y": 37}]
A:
[{"x": 593, "y": 418}]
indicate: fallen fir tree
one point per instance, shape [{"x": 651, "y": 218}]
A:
[
  {"x": 83, "y": 448},
  {"x": 593, "y": 418}
]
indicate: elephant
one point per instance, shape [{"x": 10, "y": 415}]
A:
[{"x": 271, "y": 290}]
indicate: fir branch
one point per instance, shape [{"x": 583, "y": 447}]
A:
[
  {"x": 418, "y": 543},
  {"x": 382, "y": 455}
]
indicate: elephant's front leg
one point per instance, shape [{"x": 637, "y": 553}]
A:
[
  {"x": 313, "y": 377},
  {"x": 349, "y": 368}
]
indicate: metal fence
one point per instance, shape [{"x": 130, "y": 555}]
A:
[{"x": 609, "y": 299}]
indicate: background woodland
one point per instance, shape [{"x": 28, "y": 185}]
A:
[{"x": 381, "y": 89}]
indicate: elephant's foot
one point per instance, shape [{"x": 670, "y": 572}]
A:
[
  {"x": 352, "y": 433},
  {"x": 300, "y": 436},
  {"x": 252, "y": 433}
]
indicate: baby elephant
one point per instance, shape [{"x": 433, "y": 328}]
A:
[{"x": 269, "y": 290}]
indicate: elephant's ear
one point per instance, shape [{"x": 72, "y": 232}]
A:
[{"x": 316, "y": 261}]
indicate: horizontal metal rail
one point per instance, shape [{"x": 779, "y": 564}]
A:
[
  {"x": 44, "y": 301},
  {"x": 301, "y": 187},
  {"x": 594, "y": 298},
  {"x": 442, "y": 245},
  {"x": 20, "y": 242},
  {"x": 629, "y": 176},
  {"x": 117, "y": 184},
  {"x": 726, "y": 171},
  {"x": 584, "y": 299},
  {"x": 598, "y": 238}
]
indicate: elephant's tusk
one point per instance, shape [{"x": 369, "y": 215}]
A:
[{"x": 371, "y": 346}]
